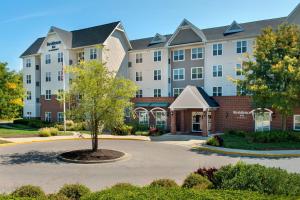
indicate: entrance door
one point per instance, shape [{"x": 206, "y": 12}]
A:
[{"x": 196, "y": 119}]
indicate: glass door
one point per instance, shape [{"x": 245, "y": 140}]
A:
[{"x": 196, "y": 121}]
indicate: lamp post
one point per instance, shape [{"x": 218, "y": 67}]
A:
[{"x": 64, "y": 90}]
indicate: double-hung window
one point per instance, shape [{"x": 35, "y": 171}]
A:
[
  {"x": 48, "y": 76},
  {"x": 80, "y": 56},
  {"x": 217, "y": 91},
  {"x": 217, "y": 71},
  {"x": 60, "y": 116},
  {"x": 241, "y": 46},
  {"x": 239, "y": 70},
  {"x": 60, "y": 75},
  {"x": 28, "y": 79},
  {"x": 28, "y": 63},
  {"x": 177, "y": 91},
  {"x": 196, "y": 73},
  {"x": 138, "y": 76},
  {"x": 138, "y": 58},
  {"x": 59, "y": 94},
  {"x": 217, "y": 49},
  {"x": 93, "y": 54},
  {"x": 157, "y": 93},
  {"x": 178, "y": 55},
  {"x": 48, "y": 116},
  {"x": 157, "y": 75},
  {"x": 48, "y": 95},
  {"x": 178, "y": 74},
  {"x": 197, "y": 53},
  {"x": 139, "y": 94},
  {"x": 48, "y": 59},
  {"x": 28, "y": 96},
  {"x": 157, "y": 56},
  {"x": 297, "y": 122},
  {"x": 60, "y": 57}
]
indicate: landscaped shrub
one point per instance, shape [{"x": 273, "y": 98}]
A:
[
  {"x": 215, "y": 141},
  {"x": 74, "y": 191},
  {"x": 46, "y": 132},
  {"x": 207, "y": 172},
  {"x": 123, "y": 130},
  {"x": 29, "y": 191},
  {"x": 124, "y": 186},
  {"x": 72, "y": 126},
  {"x": 57, "y": 197},
  {"x": 236, "y": 132},
  {"x": 274, "y": 136},
  {"x": 163, "y": 183},
  {"x": 54, "y": 131},
  {"x": 145, "y": 133},
  {"x": 35, "y": 123},
  {"x": 258, "y": 178},
  {"x": 196, "y": 181}
]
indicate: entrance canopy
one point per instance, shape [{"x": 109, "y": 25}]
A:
[{"x": 193, "y": 97}]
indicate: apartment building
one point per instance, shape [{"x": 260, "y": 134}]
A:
[{"x": 184, "y": 78}]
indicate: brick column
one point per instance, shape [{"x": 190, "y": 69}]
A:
[
  {"x": 213, "y": 121},
  {"x": 182, "y": 122},
  {"x": 173, "y": 122},
  {"x": 204, "y": 128}
]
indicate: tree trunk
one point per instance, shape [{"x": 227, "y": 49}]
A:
[
  {"x": 95, "y": 137},
  {"x": 283, "y": 122}
]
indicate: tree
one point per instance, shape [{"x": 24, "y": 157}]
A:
[
  {"x": 101, "y": 97},
  {"x": 11, "y": 93},
  {"x": 273, "y": 76}
]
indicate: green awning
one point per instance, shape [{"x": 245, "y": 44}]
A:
[{"x": 151, "y": 104}]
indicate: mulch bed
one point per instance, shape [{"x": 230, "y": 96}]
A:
[{"x": 89, "y": 155}]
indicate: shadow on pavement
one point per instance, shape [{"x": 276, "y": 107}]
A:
[
  {"x": 30, "y": 157},
  {"x": 176, "y": 137}
]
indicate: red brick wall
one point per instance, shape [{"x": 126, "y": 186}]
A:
[{"x": 52, "y": 106}]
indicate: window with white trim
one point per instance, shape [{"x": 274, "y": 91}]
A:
[
  {"x": 262, "y": 121},
  {"x": 60, "y": 116},
  {"x": 28, "y": 62},
  {"x": 241, "y": 46},
  {"x": 59, "y": 94},
  {"x": 48, "y": 95},
  {"x": 48, "y": 76},
  {"x": 157, "y": 56},
  {"x": 160, "y": 119},
  {"x": 48, "y": 59},
  {"x": 143, "y": 117},
  {"x": 239, "y": 69},
  {"x": 139, "y": 94},
  {"x": 60, "y": 75},
  {"x": 139, "y": 58},
  {"x": 297, "y": 122},
  {"x": 217, "y": 49},
  {"x": 138, "y": 76},
  {"x": 217, "y": 71},
  {"x": 178, "y": 74},
  {"x": 196, "y": 73},
  {"x": 28, "y": 96},
  {"x": 197, "y": 53},
  {"x": 93, "y": 54},
  {"x": 60, "y": 57},
  {"x": 28, "y": 79},
  {"x": 48, "y": 116},
  {"x": 217, "y": 91},
  {"x": 177, "y": 91},
  {"x": 178, "y": 55},
  {"x": 157, "y": 74},
  {"x": 157, "y": 93},
  {"x": 28, "y": 115}
]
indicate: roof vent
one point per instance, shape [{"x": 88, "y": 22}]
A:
[
  {"x": 233, "y": 28},
  {"x": 158, "y": 38}
]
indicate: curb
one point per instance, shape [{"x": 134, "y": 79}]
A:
[{"x": 235, "y": 152}]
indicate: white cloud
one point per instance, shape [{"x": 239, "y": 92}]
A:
[{"x": 24, "y": 17}]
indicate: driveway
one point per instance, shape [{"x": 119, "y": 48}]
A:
[{"x": 36, "y": 164}]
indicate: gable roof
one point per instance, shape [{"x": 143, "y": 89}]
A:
[
  {"x": 145, "y": 43},
  {"x": 77, "y": 38},
  {"x": 233, "y": 28}
]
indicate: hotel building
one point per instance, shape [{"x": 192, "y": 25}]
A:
[{"x": 183, "y": 78}]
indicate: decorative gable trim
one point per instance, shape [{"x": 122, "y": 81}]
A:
[
  {"x": 233, "y": 28},
  {"x": 158, "y": 38}
]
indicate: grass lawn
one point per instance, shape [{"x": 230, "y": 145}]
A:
[
  {"x": 238, "y": 142},
  {"x": 3, "y": 142}
]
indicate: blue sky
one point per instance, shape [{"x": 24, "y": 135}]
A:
[{"x": 22, "y": 22}]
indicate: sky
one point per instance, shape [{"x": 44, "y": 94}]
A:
[{"x": 22, "y": 22}]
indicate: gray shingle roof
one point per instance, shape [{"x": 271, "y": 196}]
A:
[
  {"x": 210, "y": 100},
  {"x": 82, "y": 37},
  {"x": 144, "y": 43}
]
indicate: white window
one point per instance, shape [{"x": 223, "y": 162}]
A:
[
  {"x": 60, "y": 57},
  {"x": 177, "y": 91},
  {"x": 262, "y": 121},
  {"x": 48, "y": 95},
  {"x": 143, "y": 118},
  {"x": 297, "y": 122},
  {"x": 48, "y": 76},
  {"x": 178, "y": 74},
  {"x": 139, "y": 94},
  {"x": 196, "y": 73},
  {"x": 28, "y": 115},
  {"x": 197, "y": 53},
  {"x": 217, "y": 49},
  {"x": 138, "y": 76},
  {"x": 160, "y": 119},
  {"x": 241, "y": 46},
  {"x": 217, "y": 91},
  {"x": 157, "y": 56},
  {"x": 48, "y": 59},
  {"x": 60, "y": 116},
  {"x": 93, "y": 54},
  {"x": 157, "y": 75},
  {"x": 178, "y": 55},
  {"x": 138, "y": 58},
  {"x": 28, "y": 79},
  {"x": 60, "y": 76},
  {"x": 28, "y": 63},
  {"x": 59, "y": 94},
  {"x": 80, "y": 56},
  {"x": 28, "y": 96},
  {"x": 239, "y": 70},
  {"x": 217, "y": 71},
  {"x": 157, "y": 93},
  {"x": 48, "y": 116}
]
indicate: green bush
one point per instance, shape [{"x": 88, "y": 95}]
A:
[
  {"x": 57, "y": 197},
  {"x": 72, "y": 126},
  {"x": 197, "y": 181},
  {"x": 145, "y": 133},
  {"x": 34, "y": 123},
  {"x": 123, "y": 130},
  {"x": 46, "y": 132},
  {"x": 74, "y": 191},
  {"x": 163, "y": 183},
  {"x": 258, "y": 178},
  {"x": 237, "y": 133},
  {"x": 213, "y": 142},
  {"x": 124, "y": 186},
  {"x": 29, "y": 191},
  {"x": 274, "y": 136}
]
